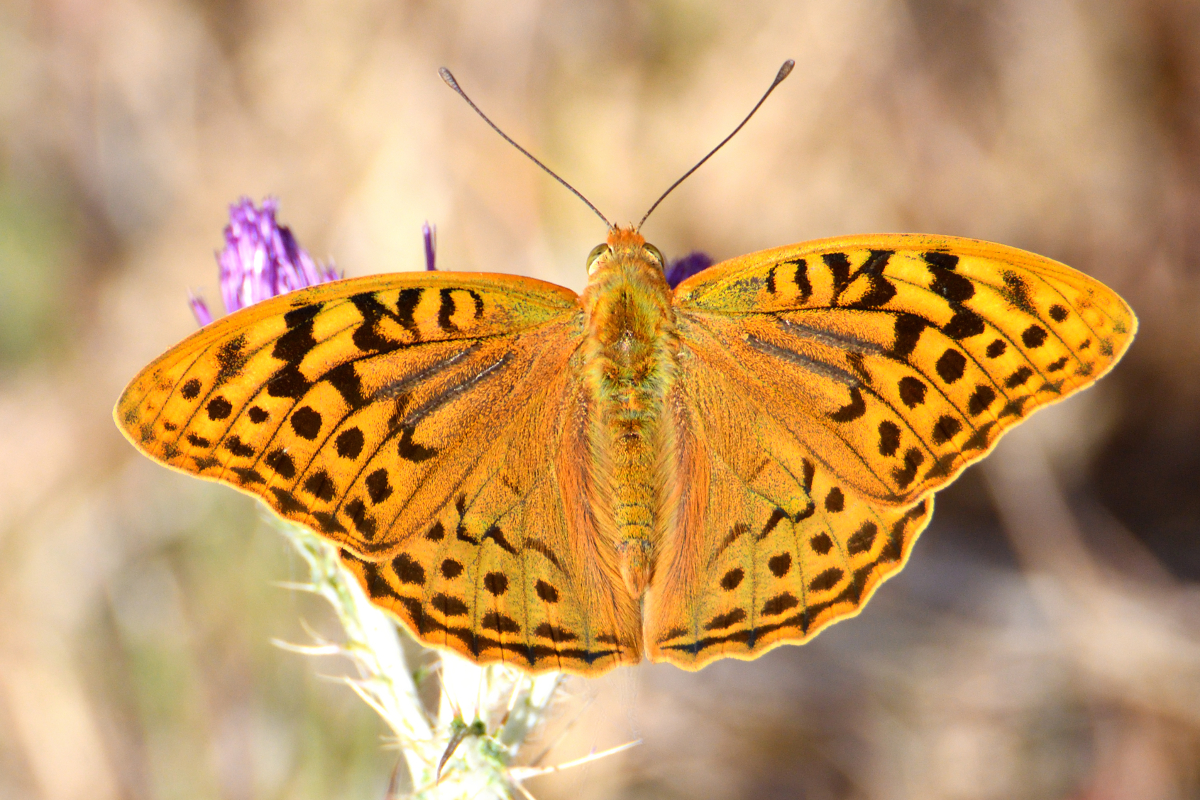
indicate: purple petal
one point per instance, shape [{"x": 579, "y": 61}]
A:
[
  {"x": 430, "y": 235},
  {"x": 684, "y": 268},
  {"x": 200, "y": 310}
]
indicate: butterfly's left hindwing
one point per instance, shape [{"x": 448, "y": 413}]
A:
[
  {"x": 426, "y": 424},
  {"x": 900, "y": 359}
]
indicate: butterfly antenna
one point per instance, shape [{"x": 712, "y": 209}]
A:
[
  {"x": 448, "y": 77},
  {"x": 784, "y": 71}
]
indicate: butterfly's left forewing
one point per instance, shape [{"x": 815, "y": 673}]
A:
[{"x": 427, "y": 424}]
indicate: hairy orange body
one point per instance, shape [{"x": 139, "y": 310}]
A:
[{"x": 630, "y": 357}]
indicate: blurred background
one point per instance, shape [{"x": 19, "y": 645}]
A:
[{"x": 1044, "y": 641}]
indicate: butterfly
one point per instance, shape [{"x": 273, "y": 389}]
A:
[
  {"x": 555, "y": 481},
  {"x": 575, "y": 482}
]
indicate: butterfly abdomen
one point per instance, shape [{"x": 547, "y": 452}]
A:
[{"x": 630, "y": 365}]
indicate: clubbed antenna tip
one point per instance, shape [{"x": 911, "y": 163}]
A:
[{"x": 784, "y": 71}]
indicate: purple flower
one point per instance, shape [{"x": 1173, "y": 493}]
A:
[
  {"x": 684, "y": 268},
  {"x": 430, "y": 235},
  {"x": 261, "y": 259}
]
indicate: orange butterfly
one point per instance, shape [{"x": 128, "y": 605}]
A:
[{"x": 574, "y": 482}]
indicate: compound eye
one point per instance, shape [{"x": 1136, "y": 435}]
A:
[
  {"x": 654, "y": 251},
  {"x": 597, "y": 251}
]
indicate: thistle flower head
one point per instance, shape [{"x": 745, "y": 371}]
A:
[
  {"x": 261, "y": 259},
  {"x": 681, "y": 269}
]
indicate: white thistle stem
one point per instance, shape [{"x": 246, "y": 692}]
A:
[{"x": 485, "y": 714}]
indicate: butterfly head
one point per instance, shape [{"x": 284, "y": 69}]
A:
[{"x": 627, "y": 249}]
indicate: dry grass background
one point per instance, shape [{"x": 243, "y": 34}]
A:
[{"x": 1044, "y": 641}]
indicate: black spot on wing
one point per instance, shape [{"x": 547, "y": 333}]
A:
[
  {"x": 779, "y": 604},
  {"x": 363, "y": 522},
  {"x": 964, "y": 324},
  {"x": 981, "y": 399},
  {"x": 912, "y": 392},
  {"x": 1019, "y": 377},
  {"x": 378, "y": 488},
  {"x": 951, "y": 365},
  {"x": 449, "y": 605},
  {"x": 231, "y": 359},
  {"x": 732, "y": 579},
  {"x": 553, "y": 633},
  {"x": 297, "y": 341},
  {"x": 780, "y": 564},
  {"x": 446, "y": 311},
  {"x": 839, "y": 271},
  {"x": 501, "y": 623},
  {"x": 862, "y": 539},
  {"x": 408, "y": 570},
  {"x": 952, "y": 286},
  {"x": 1034, "y": 336},
  {"x": 349, "y": 443},
  {"x": 945, "y": 429},
  {"x": 281, "y": 463},
  {"x": 247, "y": 476},
  {"x": 235, "y": 445},
  {"x": 904, "y": 476},
  {"x": 826, "y": 580},
  {"x": 368, "y": 336},
  {"x": 1016, "y": 292},
  {"x": 908, "y": 329},
  {"x": 722, "y": 621},
  {"x": 546, "y": 592},
  {"x": 940, "y": 260},
  {"x": 288, "y": 381},
  {"x": 306, "y": 422},
  {"x": 345, "y": 379},
  {"x": 879, "y": 290},
  {"x": 889, "y": 438},
  {"x": 410, "y": 450},
  {"x": 328, "y": 523},
  {"x": 800, "y": 278},
  {"x": 320, "y": 485},
  {"x": 496, "y": 535},
  {"x": 219, "y": 408},
  {"x": 856, "y": 408},
  {"x": 287, "y": 502},
  {"x": 821, "y": 544},
  {"x": 496, "y": 583}
]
